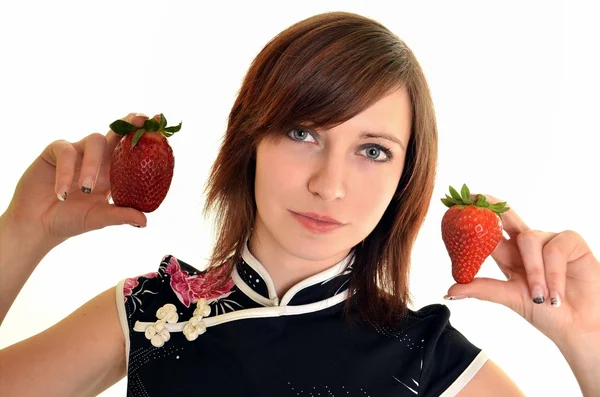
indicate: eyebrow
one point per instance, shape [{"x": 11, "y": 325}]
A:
[{"x": 382, "y": 135}]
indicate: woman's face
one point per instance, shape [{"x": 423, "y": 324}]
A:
[{"x": 348, "y": 173}]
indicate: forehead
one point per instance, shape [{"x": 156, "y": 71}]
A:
[{"x": 391, "y": 114}]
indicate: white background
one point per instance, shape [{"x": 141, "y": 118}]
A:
[{"x": 515, "y": 86}]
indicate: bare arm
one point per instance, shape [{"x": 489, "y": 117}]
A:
[
  {"x": 82, "y": 355},
  {"x": 63, "y": 193},
  {"x": 583, "y": 356},
  {"x": 18, "y": 259},
  {"x": 491, "y": 381},
  {"x": 49, "y": 206}
]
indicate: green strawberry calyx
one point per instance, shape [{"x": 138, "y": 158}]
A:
[
  {"x": 464, "y": 199},
  {"x": 123, "y": 128}
]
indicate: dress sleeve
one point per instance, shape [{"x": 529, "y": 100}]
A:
[
  {"x": 135, "y": 297},
  {"x": 175, "y": 284},
  {"x": 450, "y": 360}
]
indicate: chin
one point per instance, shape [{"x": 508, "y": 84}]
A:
[{"x": 314, "y": 247}]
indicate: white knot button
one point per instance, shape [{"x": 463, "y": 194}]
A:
[
  {"x": 195, "y": 326},
  {"x": 172, "y": 317},
  {"x": 194, "y": 321},
  {"x": 191, "y": 332},
  {"x": 202, "y": 309},
  {"x": 157, "y": 333},
  {"x": 168, "y": 312}
]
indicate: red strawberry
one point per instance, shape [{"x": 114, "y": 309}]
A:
[
  {"x": 471, "y": 231},
  {"x": 142, "y": 164}
]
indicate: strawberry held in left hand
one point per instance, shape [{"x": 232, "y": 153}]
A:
[
  {"x": 142, "y": 164},
  {"x": 471, "y": 231}
]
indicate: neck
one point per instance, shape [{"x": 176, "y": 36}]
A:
[{"x": 285, "y": 268}]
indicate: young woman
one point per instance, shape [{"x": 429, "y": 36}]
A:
[{"x": 320, "y": 188}]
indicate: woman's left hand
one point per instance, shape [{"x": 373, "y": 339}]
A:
[{"x": 553, "y": 281}]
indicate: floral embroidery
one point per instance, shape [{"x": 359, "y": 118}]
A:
[
  {"x": 225, "y": 305},
  {"x": 190, "y": 288},
  {"x": 132, "y": 282},
  {"x": 136, "y": 297}
]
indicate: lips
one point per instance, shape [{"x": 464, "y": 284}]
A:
[
  {"x": 317, "y": 223},
  {"x": 320, "y": 218}
]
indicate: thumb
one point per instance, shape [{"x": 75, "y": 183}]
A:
[
  {"x": 112, "y": 215},
  {"x": 136, "y": 119},
  {"x": 487, "y": 289}
]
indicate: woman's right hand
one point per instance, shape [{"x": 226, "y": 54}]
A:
[{"x": 50, "y": 201}]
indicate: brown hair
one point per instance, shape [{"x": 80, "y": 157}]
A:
[{"x": 325, "y": 70}]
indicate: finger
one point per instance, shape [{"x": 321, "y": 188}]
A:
[
  {"x": 63, "y": 156},
  {"x": 513, "y": 224},
  {"x": 507, "y": 255},
  {"x": 563, "y": 248},
  {"x": 511, "y": 221},
  {"x": 93, "y": 152},
  {"x": 104, "y": 215},
  {"x": 137, "y": 119},
  {"x": 530, "y": 245},
  {"x": 488, "y": 289}
]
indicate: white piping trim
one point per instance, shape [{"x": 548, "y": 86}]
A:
[
  {"x": 120, "y": 300},
  {"x": 467, "y": 375},
  {"x": 259, "y": 268},
  {"x": 255, "y": 296},
  {"x": 289, "y": 295},
  {"x": 317, "y": 278},
  {"x": 260, "y": 312}
]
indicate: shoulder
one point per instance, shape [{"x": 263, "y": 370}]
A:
[
  {"x": 449, "y": 359},
  {"x": 139, "y": 296},
  {"x": 452, "y": 364},
  {"x": 174, "y": 280},
  {"x": 175, "y": 283}
]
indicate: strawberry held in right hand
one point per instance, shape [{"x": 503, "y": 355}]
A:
[
  {"x": 471, "y": 230},
  {"x": 142, "y": 164}
]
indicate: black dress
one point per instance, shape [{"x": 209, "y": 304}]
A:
[{"x": 186, "y": 337}]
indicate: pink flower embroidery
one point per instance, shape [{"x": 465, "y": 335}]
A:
[
  {"x": 132, "y": 282},
  {"x": 191, "y": 288}
]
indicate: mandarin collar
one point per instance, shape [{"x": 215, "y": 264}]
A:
[{"x": 252, "y": 278}]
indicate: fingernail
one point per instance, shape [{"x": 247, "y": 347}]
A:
[
  {"x": 87, "y": 185},
  {"x": 62, "y": 195},
  {"x": 555, "y": 299},
  {"x": 134, "y": 225},
  {"x": 454, "y": 297},
  {"x": 538, "y": 295},
  {"x": 141, "y": 114}
]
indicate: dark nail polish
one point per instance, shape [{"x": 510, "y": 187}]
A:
[
  {"x": 454, "y": 297},
  {"x": 86, "y": 190},
  {"x": 555, "y": 299},
  {"x": 538, "y": 294}
]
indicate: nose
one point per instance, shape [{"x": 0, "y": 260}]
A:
[{"x": 328, "y": 179}]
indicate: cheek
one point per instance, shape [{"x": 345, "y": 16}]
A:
[
  {"x": 277, "y": 175},
  {"x": 372, "y": 194}
]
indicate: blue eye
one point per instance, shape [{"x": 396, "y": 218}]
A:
[
  {"x": 373, "y": 153},
  {"x": 301, "y": 134},
  {"x": 376, "y": 153}
]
